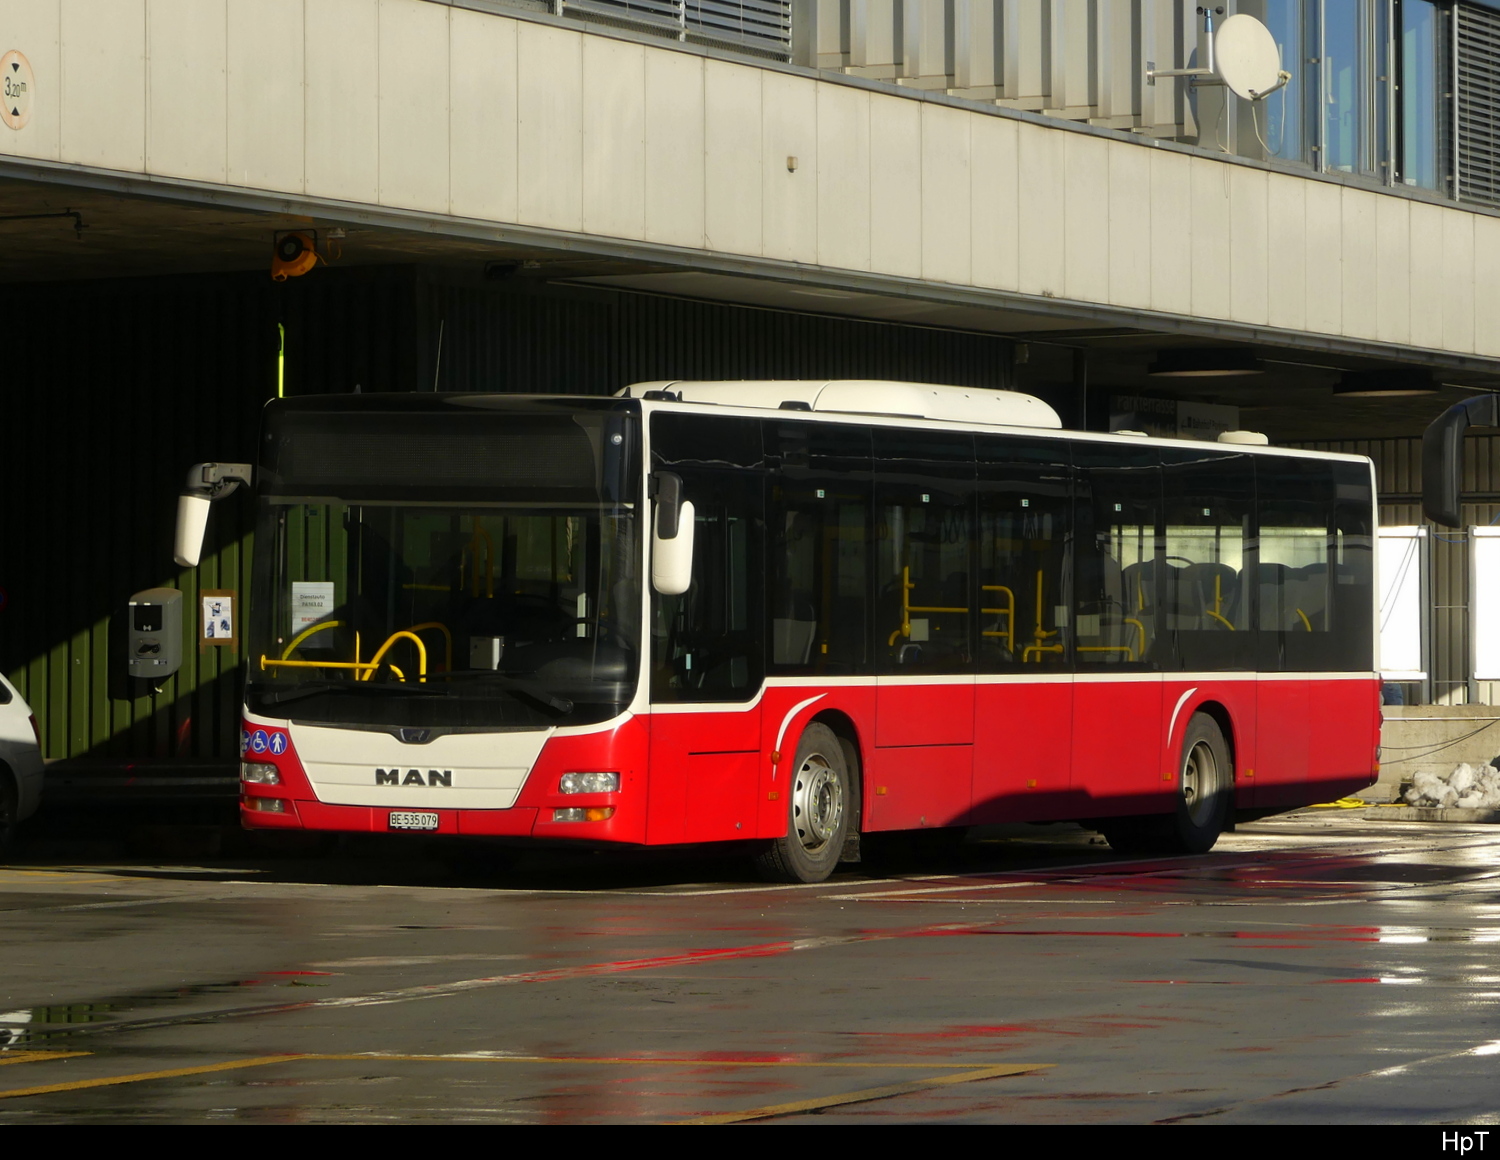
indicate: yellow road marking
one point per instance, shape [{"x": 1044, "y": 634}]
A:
[
  {"x": 625, "y": 1061},
  {"x": 868, "y": 1094},
  {"x": 170, "y": 1073},
  {"x": 38, "y": 1056}
]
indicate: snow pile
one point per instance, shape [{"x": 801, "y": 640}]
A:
[{"x": 1466, "y": 788}]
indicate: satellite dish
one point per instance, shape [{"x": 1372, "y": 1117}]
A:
[{"x": 1246, "y": 57}]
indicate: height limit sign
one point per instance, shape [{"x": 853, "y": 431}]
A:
[{"x": 16, "y": 88}]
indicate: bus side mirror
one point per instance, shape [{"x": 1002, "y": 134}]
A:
[
  {"x": 1443, "y": 456},
  {"x": 206, "y": 482},
  {"x": 671, "y": 537},
  {"x": 192, "y": 523}
]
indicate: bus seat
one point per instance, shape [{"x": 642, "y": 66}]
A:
[
  {"x": 1271, "y": 580},
  {"x": 794, "y": 624},
  {"x": 1138, "y": 583},
  {"x": 1307, "y": 591},
  {"x": 1198, "y": 584}
]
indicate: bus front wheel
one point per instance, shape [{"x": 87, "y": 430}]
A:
[{"x": 819, "y": 805}]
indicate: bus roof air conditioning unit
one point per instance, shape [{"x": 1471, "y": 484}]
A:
[{"x": 1243, "y": 57}]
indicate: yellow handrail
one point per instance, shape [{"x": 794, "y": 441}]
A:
[
  {"x": 447, "y": 637},
  {"x": 1109, "y": 648},
  {"x": 1307, "y": 624},
  {"x": 1218, "y": 608},
  {"x": 1039, "y": 633},
  {"x": 267, "y": 663},
  {"x": 307, "y": 632},
  {"x": 907, "y": 608},
  {"x": 1009, "y": 612},
  {"x": 400, "y": 634},
  {"x": 364, "y": 670}
]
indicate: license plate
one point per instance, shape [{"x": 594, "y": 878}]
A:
[{"x": 413, "y": 820}]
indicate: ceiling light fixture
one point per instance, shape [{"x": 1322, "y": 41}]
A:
[
  {"x": 1397, "y": 382},
  {"x": 1210, "y": 363}
]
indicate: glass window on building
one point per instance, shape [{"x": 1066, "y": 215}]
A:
[
  {"x": 1419, "y": 95},
  {"x": 1353, "y": 59},
  {"x": 1280, "y": 120}
]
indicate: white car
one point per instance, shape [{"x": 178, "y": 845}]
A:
[{"x": 20, "y": 762}]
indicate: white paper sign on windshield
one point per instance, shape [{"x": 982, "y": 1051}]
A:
[{"x": 312, "y": 601}]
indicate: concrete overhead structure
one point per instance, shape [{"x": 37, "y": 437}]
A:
[
  {"x": 471, "y": 121},
  {"x": 995, "y": 193}
]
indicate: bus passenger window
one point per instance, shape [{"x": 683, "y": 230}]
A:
[
  {"x": 1292, "y": 578},
  {"x": 925, "y": 615},
  {"x": 706, "y": 642},
  {"x": 1209, "y": 501},
  {"x": 1353, "y": 590},
  {"x": 1315, "y": 580},
  {"x": 1121, "y": 582},
  {"x": 818, "y": 614},
  {"x": 817, "y": 599},
  {"x": 1022, "y": 538}
]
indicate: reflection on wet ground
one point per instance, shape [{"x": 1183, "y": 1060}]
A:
[{"x": 1032, "y": 977}]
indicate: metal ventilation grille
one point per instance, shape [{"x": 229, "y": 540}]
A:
[
  {"x": 1478, "y": 75},
  {"x": 763, "y": 27}
]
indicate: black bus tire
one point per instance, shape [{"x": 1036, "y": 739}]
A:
[
  {"x": 1205, "y": 788},
  {"x": 816, "y": 788}
]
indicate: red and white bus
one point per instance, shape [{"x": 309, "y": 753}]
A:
[{"x": 791, "y": 614}]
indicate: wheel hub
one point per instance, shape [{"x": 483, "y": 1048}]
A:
[
  {"x": 817, "y": 803},
  {"x": 1200, "y": 774}
]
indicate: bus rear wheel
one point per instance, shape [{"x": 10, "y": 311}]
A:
[
  {"x": 1205, "y": 787},
  {"x": 816, "y": 786},
  {"x": 1205, "y": 784}
]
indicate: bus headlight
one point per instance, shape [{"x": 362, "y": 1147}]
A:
[
  {"x": 259, "y": 773},
  {"x": 589, "y": 783}
]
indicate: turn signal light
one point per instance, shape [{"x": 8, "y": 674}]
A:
[
  {"x": 576, "y": 814},
  {"x": 265, "y": 805}
]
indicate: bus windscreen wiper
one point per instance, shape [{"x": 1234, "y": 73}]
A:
[
  {"x": 510, "y": 685},
  {"x": 313, "y": 688}
]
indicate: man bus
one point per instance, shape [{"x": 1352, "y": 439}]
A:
[{"x": 789, "y": 614}]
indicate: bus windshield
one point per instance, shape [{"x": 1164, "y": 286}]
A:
[{"x": 483, "y": 611}]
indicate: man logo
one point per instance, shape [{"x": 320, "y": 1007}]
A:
[{"x": 434, "y": 777}]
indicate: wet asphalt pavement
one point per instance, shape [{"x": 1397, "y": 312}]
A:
[{"x": 1314, "y": 969}]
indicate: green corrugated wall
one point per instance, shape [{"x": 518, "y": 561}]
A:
[{"x": 112, "y": 389}]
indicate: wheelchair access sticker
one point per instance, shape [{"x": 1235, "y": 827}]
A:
[{"x": 271, "y": 741}]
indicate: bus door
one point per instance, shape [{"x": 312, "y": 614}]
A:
[
  {"x": 818, "y": 602},
  {"x": 926, "y": 624},
  {"x": 1121, "y": 585},
  {"x": 1023, "y": 717},
  {"x": 707, "y": 660},
  {"x": 1209, "y": 504}
]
